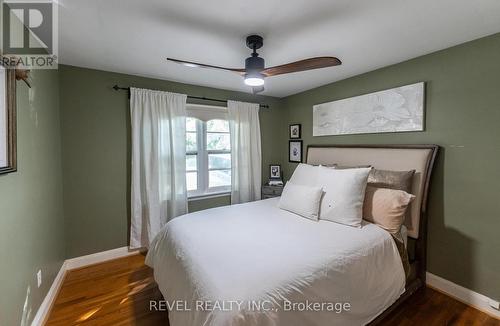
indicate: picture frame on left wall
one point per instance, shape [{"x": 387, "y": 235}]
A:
[
  {"x": 8, "y": 142},
  {"x": 295, "y": 151}
]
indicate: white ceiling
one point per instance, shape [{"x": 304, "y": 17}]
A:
[{"x": 135, "y": 37}]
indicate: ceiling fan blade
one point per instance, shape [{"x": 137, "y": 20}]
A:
[
  {"x": 202, "y": 65},
  {"x": 257, "y": 89},
  {"x": 302, "y": 65}
]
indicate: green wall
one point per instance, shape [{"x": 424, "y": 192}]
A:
[
  {"x": 31, "y": 222},
  {"x": 463, "y": 117},
  {"x": 96, "y": 152}
]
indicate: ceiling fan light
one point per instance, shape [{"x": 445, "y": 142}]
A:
[
  {"x": 254, "y": 79},
  {"x": 190, "y": 65}
]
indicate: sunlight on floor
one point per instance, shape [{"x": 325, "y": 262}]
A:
[
  {"x": 89, "y": 314},
  {"x": 142, "y": 285}
]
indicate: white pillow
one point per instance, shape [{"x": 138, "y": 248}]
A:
[
  {"x": 301, "y": 200},
  {"x": 344, "y": 195},
  {"x": 305, "y": 175}
]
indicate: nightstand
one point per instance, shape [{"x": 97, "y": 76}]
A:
[{"x": 271, "y": 191}]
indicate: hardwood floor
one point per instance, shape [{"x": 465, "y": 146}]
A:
[
  {"x": 118, "y": 293},
  {"x": 432, "y": 308},
  {"x": 112, "y": 293}
]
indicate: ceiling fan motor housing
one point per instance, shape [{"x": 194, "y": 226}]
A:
[{"x": 254, "y": 64}]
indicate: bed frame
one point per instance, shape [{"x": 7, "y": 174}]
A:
[{"x": 418, "y": 157}]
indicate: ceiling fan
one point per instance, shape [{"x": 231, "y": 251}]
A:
[{"x": 255, "y": 71}]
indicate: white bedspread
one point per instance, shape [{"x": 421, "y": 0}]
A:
[{"x": 255, "y": 264}]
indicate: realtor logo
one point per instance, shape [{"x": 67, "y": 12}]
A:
[{"x": 30, "y": 33}]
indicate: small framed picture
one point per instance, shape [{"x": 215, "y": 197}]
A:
[
  {"x": 295, "y": 131},
  {"x": 275, "y": 172},
  {"x": 295, "y": 151}
]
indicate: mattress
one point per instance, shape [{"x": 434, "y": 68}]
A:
[{"x": 255, "y": 264}]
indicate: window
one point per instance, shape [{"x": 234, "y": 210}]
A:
[{"x": 208, "y": 156}]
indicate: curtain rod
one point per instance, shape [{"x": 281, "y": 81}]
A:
[{"x": 118, "y": 88}]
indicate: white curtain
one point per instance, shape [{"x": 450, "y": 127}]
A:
[
  {"x": 246, "y": 157},
  {"x": 158, "y": 190}
]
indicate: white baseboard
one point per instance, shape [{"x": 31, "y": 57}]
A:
[
  {"x": 99, "y": 257},
  {"x": 469, "y": 297},
  {"x": 43, "y": 311}
]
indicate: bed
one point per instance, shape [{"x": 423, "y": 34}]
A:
[{"x": 255, "y": 264}]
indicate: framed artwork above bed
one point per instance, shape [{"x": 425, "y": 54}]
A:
[
  {"x": 8, "y": 144},
  {"x": 393, "y": 110}
]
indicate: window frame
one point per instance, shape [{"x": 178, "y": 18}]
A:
[
  {"x": 197, "y": 153},
  {"x": 202, "y": 153}
]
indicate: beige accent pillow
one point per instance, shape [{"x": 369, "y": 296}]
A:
[{"x": 386, "y": 207}]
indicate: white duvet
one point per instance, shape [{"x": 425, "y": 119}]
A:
[{"x": 255, "y": 264}]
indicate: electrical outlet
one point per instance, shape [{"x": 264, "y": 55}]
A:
[{"x": 39, "y": 277}]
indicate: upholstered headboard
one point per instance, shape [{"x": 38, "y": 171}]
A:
[{"x": 386, "y": 157}]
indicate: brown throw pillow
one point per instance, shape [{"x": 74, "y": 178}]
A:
[
  {"x": 400, "y": 180},
  {"x": 386, "y": 207}
]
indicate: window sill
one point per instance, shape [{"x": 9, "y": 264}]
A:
[{"x": 209, "y": 195}]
